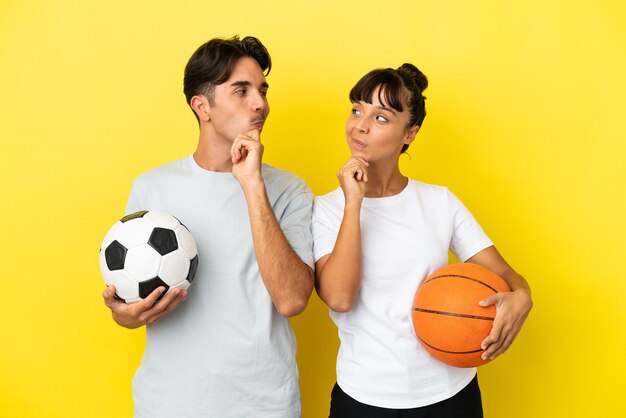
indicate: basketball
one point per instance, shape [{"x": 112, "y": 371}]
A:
[{"x": 448, "y": 321}]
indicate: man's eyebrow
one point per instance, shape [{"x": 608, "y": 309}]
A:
[{"x": 244, "y": 83}]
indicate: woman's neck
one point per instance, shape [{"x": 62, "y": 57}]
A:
[{"x": 384, "y": 180}]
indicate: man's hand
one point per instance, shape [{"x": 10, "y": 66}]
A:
[
  {"x": 246, "y": 154},
  {"x": 146, "y": 311}
]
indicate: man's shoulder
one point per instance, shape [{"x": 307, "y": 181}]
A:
[
  {"x": 156, "y": 174},
  {"x": 273, "y": 173},
  {"x": 278, "y": 179}
]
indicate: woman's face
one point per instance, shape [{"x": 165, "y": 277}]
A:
[{"x": 376, "y": 131}]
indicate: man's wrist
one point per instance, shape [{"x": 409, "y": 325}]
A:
[
  {"x": 253, "y": 187},
  {"x": 251, "y": 182}
]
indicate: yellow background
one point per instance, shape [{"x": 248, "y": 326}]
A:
[{"x": 525, "y": 124}]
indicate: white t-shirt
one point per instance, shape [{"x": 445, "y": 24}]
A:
[
  {"x": 225, "y": 351},
  {"x": 404, "y": 238}
]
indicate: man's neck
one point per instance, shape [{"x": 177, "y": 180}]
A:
[{"x": 213, "y": 153}]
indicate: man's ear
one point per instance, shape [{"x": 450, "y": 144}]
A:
[
  {"x": 200, "y": 104},
  {"x": 410, "y": 135}
]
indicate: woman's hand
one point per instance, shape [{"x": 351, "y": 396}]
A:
[
  {"x": 352, "y": 178},
  {"x": 512, "y": 308}
]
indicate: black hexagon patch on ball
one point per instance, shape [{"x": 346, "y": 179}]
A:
[
  {"x": 163, "y": 240},
  {"x": 115, "y": 254},
  {"x": 148, "y": 286}
]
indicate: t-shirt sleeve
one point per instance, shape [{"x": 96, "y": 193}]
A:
[
  {"x": 468, "y": 238},
  {"x": 325, "y": 228},
  {"x": 295, "y": 223},
  {"x": 133, "y": 204}
]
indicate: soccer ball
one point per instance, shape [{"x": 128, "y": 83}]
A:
[{"x": 145, "y": 250}]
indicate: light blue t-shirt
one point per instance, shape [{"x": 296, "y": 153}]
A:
[{"x": 225, "y": 351}]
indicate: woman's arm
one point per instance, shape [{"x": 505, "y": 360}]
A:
[
  {"x": 338, "y": 274},
  {"x": 512, "y": 307}
]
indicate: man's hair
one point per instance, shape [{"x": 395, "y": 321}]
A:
[{"x": 214, "y": 61}]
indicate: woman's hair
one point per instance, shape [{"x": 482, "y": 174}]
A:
[
  {"x": 404, "y": 85},
  {"x": 214, "y": 61}
]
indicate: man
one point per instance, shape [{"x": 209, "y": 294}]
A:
[{"x": 228, "y": 351}]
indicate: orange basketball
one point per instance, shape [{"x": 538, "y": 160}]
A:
[{"x": 447, "y": 318}]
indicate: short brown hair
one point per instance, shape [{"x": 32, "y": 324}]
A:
[{"x": 213, "y": 62}]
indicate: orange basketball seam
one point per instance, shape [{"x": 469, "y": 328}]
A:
[
  {"x": 485, "y": 318},
  {"x": 462, "y": 277},
  {"x": 449, "y": 352}
]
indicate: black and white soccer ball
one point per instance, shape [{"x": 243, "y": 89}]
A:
[{"x": 145, "y": 250}]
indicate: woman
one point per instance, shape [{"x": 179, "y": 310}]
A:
[{"x": 375, "y": 239}]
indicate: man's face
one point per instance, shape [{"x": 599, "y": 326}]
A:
[{"x": 240, "y": 103}]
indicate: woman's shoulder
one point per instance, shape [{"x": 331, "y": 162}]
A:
[
  {"x": 332, "y": 196},
  {"x": 332, "y": 201},
  {"x": 427, "y": 188},
  {"x": 435, "y": 195}
]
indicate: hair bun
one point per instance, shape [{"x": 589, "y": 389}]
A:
[{"x": 414, "y": 74}]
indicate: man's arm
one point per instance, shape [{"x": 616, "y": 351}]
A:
[
  {"x": 289, "y": 281},
  {"x": 287, "y": 278},
  {"x": 150, "y": 309}
]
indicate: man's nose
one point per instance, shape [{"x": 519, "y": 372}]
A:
[{"x": 259, "y": 102}]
